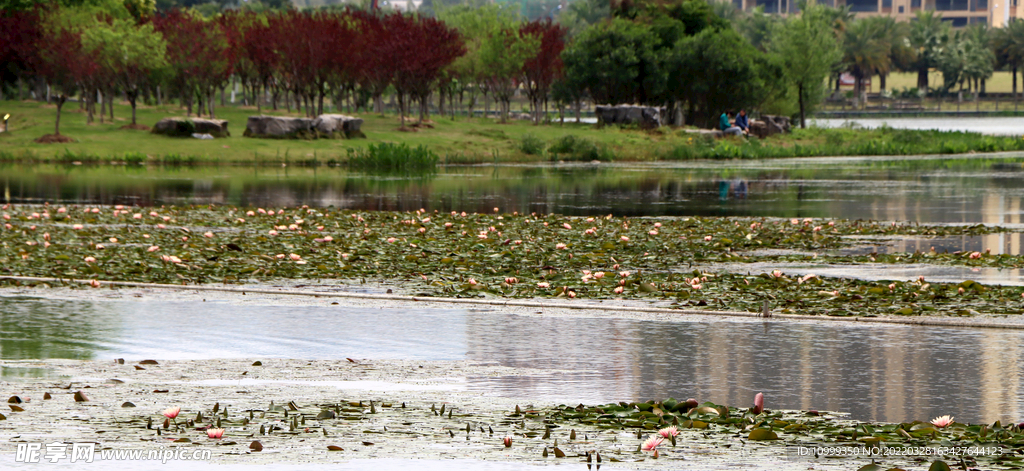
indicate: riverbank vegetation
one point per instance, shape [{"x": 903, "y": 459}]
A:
[
  {"x": 693, "y": 58},
  {"x": 458, "y": 141},
  {"x": 684, "y": 261}
]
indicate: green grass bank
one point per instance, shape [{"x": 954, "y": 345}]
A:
[{"x": 459, "y": 141}]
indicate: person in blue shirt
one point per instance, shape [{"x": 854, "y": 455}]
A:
[
  {"x": 743, "y": 122},
  {"x": 723, "y": 124}
]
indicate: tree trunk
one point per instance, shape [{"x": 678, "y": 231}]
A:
[
  {"x": 800, "y": 97},
  {"x": 60, "y": 104},
  {"x": 922, "y": 79},
  {"x": 881, "y": 82},
  {"x": 132, "y": 98}
]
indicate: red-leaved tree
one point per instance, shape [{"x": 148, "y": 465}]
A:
[
  {"x": 541, "y": 71},
  {"x": 201, "y": 58},
  {"x": 421, "y": 47},
  {"x": 66, "y": 65}
]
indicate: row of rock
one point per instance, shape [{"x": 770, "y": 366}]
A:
[{"x": 275, "y": 127}]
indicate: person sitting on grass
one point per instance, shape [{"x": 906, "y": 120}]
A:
[
  {"x": 743, "y": 122},
  {"x": 725, "y": 127}
]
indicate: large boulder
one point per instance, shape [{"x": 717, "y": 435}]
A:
[
  {"x": 769, "y": 125},
  {"x": 186, "y": 127},
  {"x": 338, "y": 125},
  {"x": 279, "y": 127},
  {"x": 646, "y": 116},
  {"x": 324, "y": 126}
]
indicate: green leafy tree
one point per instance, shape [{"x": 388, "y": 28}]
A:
[
  {"x": 129, "y": 53},
  {"x": 966, "y": 59},
  {"x": 715, "y": 71},
  {"x": 809, "y": 50},
  {"x": 478, "y": 26},
  {"x": 1008, "y": 45},
  {"x": 616, "y": 62},
  {"x": 865, "y": 52},
  {"x": 502, "y": 56},
  {"x": 928, "y": 36}
]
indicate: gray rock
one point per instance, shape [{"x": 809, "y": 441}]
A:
[
  {"x": 278, "y": 126},
  {"x": 185, "y": 127},
  {"x": 769, "y": 125},
  {"x": 327, "y": 125},
  {"x": 338, "y": 125},
  {"x": 646, "y": 116}
]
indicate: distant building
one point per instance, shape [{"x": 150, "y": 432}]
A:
[{"x": 959, "y": 13}]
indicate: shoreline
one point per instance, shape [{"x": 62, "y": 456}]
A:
[{"x": 631, "y": 309}]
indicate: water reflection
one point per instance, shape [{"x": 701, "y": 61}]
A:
[
  {"x": 891, "y": 373},
  {"x": 924, "y": 190},
  {"x": 884, "y": 373},
  {"x": 55, "y": 329}
]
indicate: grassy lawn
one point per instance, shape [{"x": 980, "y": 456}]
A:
[
  {"x": 473, "y": 140},
  {"x": 478, "y": 140},
  {"x": 1000, "y": 82}
]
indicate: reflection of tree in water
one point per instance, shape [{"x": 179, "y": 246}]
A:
[
  {"x": 40, "y": 329},
  {"x": 885, "y": 189}
]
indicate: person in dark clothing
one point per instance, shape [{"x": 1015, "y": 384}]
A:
[
  {"x": 743, "y": 122},
  {"x": 726, "y": 127}
]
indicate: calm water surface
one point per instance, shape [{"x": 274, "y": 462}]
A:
[
  {"x": 1004, "y": 126},
  {"x": 924, "y": 190},
  {"x": 890, "y": 373}
]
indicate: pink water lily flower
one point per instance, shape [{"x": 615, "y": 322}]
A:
[
  {"x": 566, "y": 225},
  {"x": 171, "y": 412},
  {"x": 652, "y": 443},
  {"x": 90, "y": 260},
  {"x": 623, "y": 274},
  {"x": 617, "y": 290},
  {"x": 153, "y": 249},
  {"x": 208, "y": 235},
  {"x": 250, "y": 213},
  {"x": 77, "y": 227},
  {"x": 508, "y": 438},
  {"x": 472, "y": 282},
  {"x": 544, "y": 285},
  {"x": 758, "y": 403},
  {"x": 653, "y": 233},
  {"x": 707, "y": 238},
  {"x": 215, "y": 433},
  {"x": 94, "y": 283},
  {"x": 137, "y": 216},
  {"x": 624, "y": 239},
  {"x": 669, "y": 431},
  {"x": 560, "y": 246},
  {"x": 777, "y": 273},
  {"x": 943, "y": 421},
  {"x": 599, "y": 275},
  {"x": 391, "y": 240},
  {"x": 294, "y": 257}
]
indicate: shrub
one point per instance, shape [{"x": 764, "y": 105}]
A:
[{"x": 531, "y": 145}]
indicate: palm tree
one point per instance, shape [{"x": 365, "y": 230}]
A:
[
  {"x": 865, "y": 52},
  {"x": 981, "y": 59},
  {"x": 840, "y": 17},
  {"x": 928, "y": 35},
  {"x": 1008, "y": 45}
]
